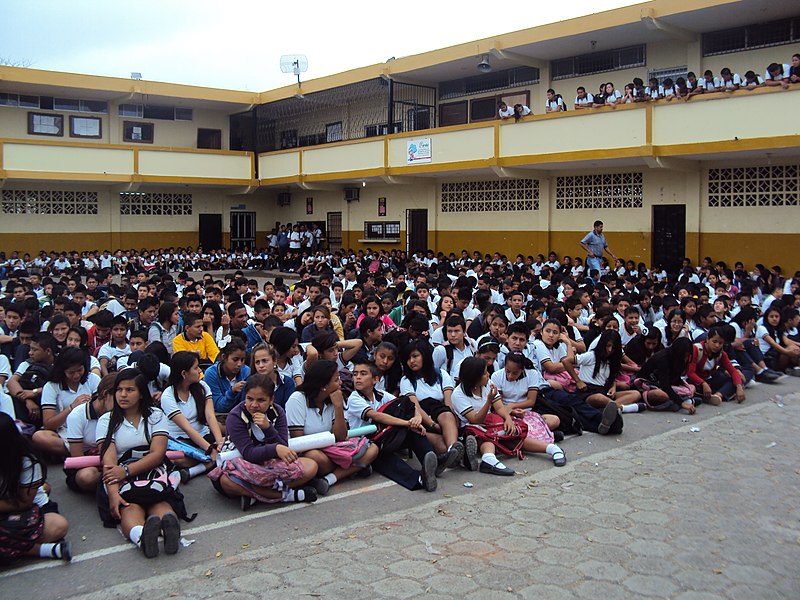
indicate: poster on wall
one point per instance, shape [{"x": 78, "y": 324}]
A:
[
  {"x": 309, "y": 206},
  {"x": 381, "y": 207},
  {"x": 418, "y": 151}
]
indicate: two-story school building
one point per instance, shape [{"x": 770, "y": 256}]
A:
[{"x": 411, "y": 153}]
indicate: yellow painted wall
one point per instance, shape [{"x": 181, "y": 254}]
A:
[
  {"x": 194, "y": 164},
  {"x": 453, "y": 146},
  {"x": 283, "y": 164},
  {"x": 65, "y": 159},
  {"x": 755, "y": 60},
  {"x": 345, "y": 157}
]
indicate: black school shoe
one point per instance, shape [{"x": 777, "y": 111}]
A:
[
  {"x": 471, "y": 458},
  {"x": 428, "y": 473},
  {"x": 610, "y": 413},
  {"x": 171, "y": 529},
  {"x": 495, "y": 470},
  {"x": 149, "y": 539}
]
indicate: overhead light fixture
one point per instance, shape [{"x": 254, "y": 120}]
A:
[
  {"x": 483, "y": 65},
  {"x": 135, "y": 75}
]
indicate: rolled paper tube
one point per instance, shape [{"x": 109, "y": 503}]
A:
[
  {"x": 188, "y": 450},
  {"x": 361, "y": 431},
  {"x": 304, "y": 443},
  {"x": 81, "y": 462}
]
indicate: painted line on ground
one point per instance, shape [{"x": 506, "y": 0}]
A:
[{"x": 94, "y": 554}]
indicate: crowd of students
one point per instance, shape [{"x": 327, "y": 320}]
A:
[
  {"x": 681, "y": 88},
  {"x": 464, "y": 362}
]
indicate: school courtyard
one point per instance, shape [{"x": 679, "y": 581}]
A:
[{"x": 660, "y": 511}]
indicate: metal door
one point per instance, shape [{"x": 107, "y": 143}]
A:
[
  {"x": 243, "y": 230},
  {"x": 334, "y": 231},
  {"x": 210, "y": 234},
  {"x": 416, "y": 229},
  {"x": 669, "y": 235}
]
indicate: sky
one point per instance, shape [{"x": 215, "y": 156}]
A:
[{"x": 237, "y": 44}]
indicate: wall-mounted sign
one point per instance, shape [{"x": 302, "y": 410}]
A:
[
  {"x": 381, "y": 207},
  {"x": 418, "y": 151}
]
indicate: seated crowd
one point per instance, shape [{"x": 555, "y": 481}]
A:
[
  {"x": 461, "y": 361},
  {"x": 683, "y": 88}
]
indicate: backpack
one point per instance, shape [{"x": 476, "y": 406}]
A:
[
  {"x": 493, "y": 430},
  {"x": 35, "y": 376},
  {"x": 570, "y": 421},
  {"x": 390, "y": 438}
]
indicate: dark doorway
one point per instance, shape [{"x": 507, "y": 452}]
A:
[
  {"x": 669, "y": 236},
  {"x": 210, "y": 231},
  {"x": 243, "y": 230},
  {"x": 209, "y": 139},
  {"x": 416, "y": 229},
  {"x": 334, "y": 231}
]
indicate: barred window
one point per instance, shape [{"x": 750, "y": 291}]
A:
[
  {"x": 490, "y": 196},
  {"x": 146, "y": 203},
  {"x": 48, "y": 202},
  {"x": 761, "y": 35},
  {"x": 608, "y": 190},
  {"x": 599, "y": 62},
  {"x": 754, "y": 186}
]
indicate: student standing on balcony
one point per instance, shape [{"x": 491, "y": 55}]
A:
[
  {"x": 504, "y": 110},
  {"x": 794, "y": 72},
  {"x": 778, "y": 75},
  {"x": 595, "y": 245},
  {"x": 554, "y": 103},
  {"x": 583, "y": 99}
]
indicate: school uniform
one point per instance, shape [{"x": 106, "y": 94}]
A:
[
  {"x": 440, "y": 357},
  {"x": 734, "y": 82},
  {"x": 174, "y": 406},
  {"x": 82, "y": 426},
  {"x": 128, "y": 436},
  {"x": 555, "y": 105},
  {"x": 464, "y": 403},
  {"x": 112, "y": 353},
  {"x": 430, "y": 397},
  {"x": 588, "y": 99},
  {"x": 388, "y": 464},
  {"x": 308, "y": 420},
  {"x": 653, "y": 93},
  {"x": 786, "y": 73},
  {"x": 58, "y": 399}
]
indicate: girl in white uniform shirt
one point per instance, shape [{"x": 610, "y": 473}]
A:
[
  {"x": 71, "y": 384},
  {"x": 431, "y": 391},
  {"x": 134, "y": 423},
  {"x": 189, "y": 406},
  {"x": 317, "y": 406},
  {"x": 551, "y": 349},
  {"x": 517, "y": 385},
  {"x": 82, "y": 434}
]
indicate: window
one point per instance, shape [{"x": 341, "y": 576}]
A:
[
  {"x": 490, "y": 196},
  {"x": 774, "y": 33},
  {"x": 70, "y": 104},
  {"x": 599, "y": 62},
  {"x": 85, "y": 127},
  {"x": 94, "y": 106},
  {"x": 496, "y": 80},
  {"x": 289, "y": 139},
  {"x": 134, "y": 131},
  {"x": 454, "y": 113},
  {"x": 44, "y": 124},
  {"x": 672, "y": 72},
  {"x": 50, "y": 103},
  {"x": 131, "y": 110},
  {"x": 183, "y": 114},
  {"x": 48, "y": 202},
  {"x": 210, "y": 139},
  {"x": 482, "y": 109},
  {"x": 19, "y": 100},
  {"x": 164, "y": 113},
  {"x": 333, "y": 132},
  {"x": 609, "y": 190},
  {"x": 381, "y": 230},
  {"x": 754, "y": 186},
  {"x": 382, "y": 129},
  {"x": 155, "y": 204}
]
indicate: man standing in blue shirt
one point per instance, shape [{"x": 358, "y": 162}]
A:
[{"x": 595, "y": 245}]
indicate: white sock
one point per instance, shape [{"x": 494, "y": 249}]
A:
[
  {"x": 330, "y": 478},
  {"x": 197, "y": 470},
  {"x": 490, "y": 459},
  {"x": 759, "y": 371},
  {"x": 630, "y": 408},
  {"x": 552, "y": 449},
  {"x": 50, "y": 550},
  {"x": 290, "y": 495},
  {"x": 136, "y": 534}
]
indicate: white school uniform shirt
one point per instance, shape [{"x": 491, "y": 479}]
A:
[
  {"x": 588, "y": 99},
  {"x": 463, "y": 403},
  {"x": 508, "y": 112},
  {"x": 440, "y": 357},
  {"x": 294, "y": 367},
  {"x": 734, "y": 81},
  {"x": 544, "y": 354},
  {"x": 59, "y": 399},
  {"x": 358, "y": 405},
  {"x": 128, "y": 436},
  {"x": 517, "y": 391},
  {"x": 6, "y": 403},
  {"x": 786, "y": 72},
  {"x": 82, "y": 426},
  {"x": 173, "y": 406},
  {"x": 763, "y": 345},
  {"x": 32, "y": 475},
  {"x": 556, "y": 104},
  {"x": 423, "y": 390},
  {"x": 515, "y": 319},
  {"x": 670, "y": 91},
  {"x": 300, "y": 417},
  {"x": 705, "y": 84},
  {"x": 525, "y": 111},
  {"x": 654, "y": 94},
  {"x": 109, "y": 351},
  {"x": 586, "y": 362}
]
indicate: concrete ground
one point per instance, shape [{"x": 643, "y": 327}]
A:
[{"x": 659, "y": 511}]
